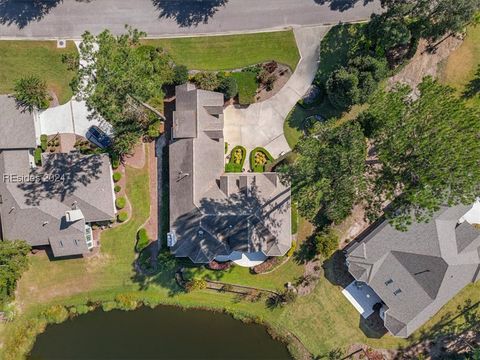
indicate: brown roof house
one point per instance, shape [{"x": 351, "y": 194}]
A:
[
  {"x": 416, "y": 272},
  {"x": 53, "y": 204},
  {"x": 213, "y": 213}
]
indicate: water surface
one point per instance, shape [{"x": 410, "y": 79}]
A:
[{"x": 160, "y": 333}]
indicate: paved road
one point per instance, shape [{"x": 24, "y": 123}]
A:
[
  {"x": 261, "y": 124},
  {"x": 70, "y": 18}
]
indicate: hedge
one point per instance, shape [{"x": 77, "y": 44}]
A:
[
  {"x": 122, "y": 216},
  {"x": 117, "y": 176},
  {"x": 115, "y": 161},
  {"x": 259, "y": 168},
  {"x": 142, "y": 240},
  {"x": 120, "y": 203},
  {"x": 117, "y": 188},
  {"x": 37, "y": 156},
  {"x": 231, "y": 166},
  {"x": 44, "y": 142}
]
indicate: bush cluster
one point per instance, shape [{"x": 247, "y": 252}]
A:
[
  {"x": 142, "y": 240},
  {"x": 117, "y": 176},
  {"x": 120, "y": 203},
  {"x": 122, "y": 216},
  {"x": 221, "y": 82}
]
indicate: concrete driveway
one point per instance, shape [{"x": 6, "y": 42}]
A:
[
  {"x": 72, "y": 117},
  {"x": 261, "y": 124}
]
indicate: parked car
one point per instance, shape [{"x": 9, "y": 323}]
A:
[{"x": 98, "y": 137}]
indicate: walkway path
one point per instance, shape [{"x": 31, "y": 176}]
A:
[{"x": 261, "y": 124}]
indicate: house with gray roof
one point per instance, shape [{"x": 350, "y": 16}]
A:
[
  {"x": 53, "y": 204},
  {"x": 213, "y": 213},
  {"x": 416, "y": 272}
]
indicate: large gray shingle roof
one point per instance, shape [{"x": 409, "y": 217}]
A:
[
  {"x": 17, "y": 127},
  {"x": 35, "y": 211},
  {"x": 213, "y": 213},
  {"x": 416, "y": 272}
]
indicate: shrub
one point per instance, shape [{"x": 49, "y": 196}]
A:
[
  {"x": 109, "y": 305},
  {"x": 195, "y": 284},
  {"x": 154, "y": 130},
  {"x": 43, "y": 142},
  {"x": 31, "y": 92},
  {"x": 292, "y": 249},
  {"x": 343, "y": 89},
  {"x": 229, "y": 87},
  {"x": 142, "y": 240},
  {"x": 120, "y": 203},
  {"x": 237, "y": 159},
  {"x": 115, "y": 161},
  {"x": 180, "y": 75},
  {"x": 270, "y": 82},
  {"x": 122, "y": 216},
  {"x": 117, "y": 188},
  {"x": 226, "y": 147},
  {"x": 37, "y": 155},
  {"x": 117, "y": 176},
  {"x": 56, "y": 314},
  {"x": 259, "y": 157},
  {"x": 126, "y": 302},
  {"x": 206, "y": 80},
  {"x": 82, "y": 309},
  {"x": 326, "y": 242}
]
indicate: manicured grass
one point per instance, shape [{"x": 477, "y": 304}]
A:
[
  {"x": 462, "y": 68},
  {"x": 232, "y": 51},
  {"x": 40, "y": 58},
  {"x": 247, "y": 86}
]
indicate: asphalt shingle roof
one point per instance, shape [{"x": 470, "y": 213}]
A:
[
  {"x": 213, "y": 213},
  {"x": 416, "y": 272}
]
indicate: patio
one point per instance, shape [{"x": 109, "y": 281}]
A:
[{"x": 362, "y": 297}]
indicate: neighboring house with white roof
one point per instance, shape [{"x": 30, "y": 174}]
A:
[{"x": 53, "y": 204}]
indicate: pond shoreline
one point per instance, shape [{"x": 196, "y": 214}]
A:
[{"x": 35, "y": 323}]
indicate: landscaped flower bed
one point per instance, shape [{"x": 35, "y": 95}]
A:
[
  {"x": 237, "y": 159},
  {"x": 215, "y": 265},
  {"x": 259, "y": 157}
]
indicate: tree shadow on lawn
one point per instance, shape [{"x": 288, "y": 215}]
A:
[
  {"x": 188, "y": 13},
  {"x": 341, "y": 5},
  {"x": 473, "y": 87},
  {"x": 163, "y": 277},
  {"x": 22, "y": 12}
]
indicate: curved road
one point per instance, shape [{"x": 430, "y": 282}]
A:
[{"x": 70, "y": 18}]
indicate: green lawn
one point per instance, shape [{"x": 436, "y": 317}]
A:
[
  {"x": 40, "y": 58},
  {"x": 232, "y": 51},
  {"x": 462, "y": 68},
  {"x": 247, "y": 86}
]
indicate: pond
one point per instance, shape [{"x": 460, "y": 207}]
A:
[{"x": 160, "y": 333}]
